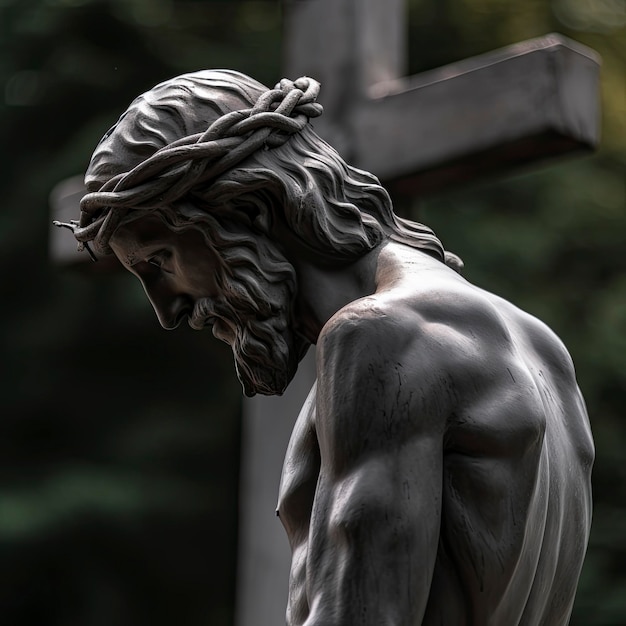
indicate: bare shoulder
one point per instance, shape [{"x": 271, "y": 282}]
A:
[
  {"x": 442, "y": 337},
  {"x": 375, "y": 332},
  {"x": 446, "y": 325}
]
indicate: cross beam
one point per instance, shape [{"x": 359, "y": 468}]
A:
[{"x": 502, "y": 110}]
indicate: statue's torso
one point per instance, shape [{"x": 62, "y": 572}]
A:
[{"x": 517, "y": 456}]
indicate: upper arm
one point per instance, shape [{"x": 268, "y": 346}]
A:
[
  {"x": 379, "y": 387},
  {"x": 380, "y": 419}
]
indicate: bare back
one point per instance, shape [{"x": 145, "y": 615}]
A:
[
  {"x": 440, "y": 472},
  {"x": 517, "y": 495}
]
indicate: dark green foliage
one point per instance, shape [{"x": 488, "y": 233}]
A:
[{"x": 119, "y": 441}]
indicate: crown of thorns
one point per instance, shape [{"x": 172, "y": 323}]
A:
[{"x": 175, "y": 169}]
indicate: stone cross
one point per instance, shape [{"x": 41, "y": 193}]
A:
[{"x": 522, "y": 104}]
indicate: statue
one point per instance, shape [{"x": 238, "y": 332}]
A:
[{"x": 439, "y": 471}]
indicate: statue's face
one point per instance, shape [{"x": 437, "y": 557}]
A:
[
  {"x": 179, "y": 272},
  {"x": 175, "y": 269}
]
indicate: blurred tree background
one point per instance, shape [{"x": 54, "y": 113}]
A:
[{"x": 119, "y": 442}]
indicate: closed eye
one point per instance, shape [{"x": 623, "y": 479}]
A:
[{"x": 159, "y": 259}]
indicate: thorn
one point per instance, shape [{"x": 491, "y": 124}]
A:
[
  {"x": 82, "y": 245},
  {"x": 68, "y": 225}
]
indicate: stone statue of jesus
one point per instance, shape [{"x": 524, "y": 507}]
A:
[{"x": 439, "y": 471}]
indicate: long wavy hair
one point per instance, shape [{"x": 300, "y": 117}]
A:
[{"x": 337, "y": 211}]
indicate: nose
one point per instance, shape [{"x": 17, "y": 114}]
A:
[{"x": 170, "y": 308}]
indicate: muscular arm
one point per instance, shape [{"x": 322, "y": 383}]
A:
[{"x": 376, "y": 515}]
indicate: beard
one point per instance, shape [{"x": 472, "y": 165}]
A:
[
  {"x": 265, "y": 347},
  {"x": 266, "y": 366}
]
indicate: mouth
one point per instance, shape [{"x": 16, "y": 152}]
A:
[{"x": 221, "y": 330}]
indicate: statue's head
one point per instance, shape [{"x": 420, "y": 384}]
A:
[{"x": 191, "y": 189}]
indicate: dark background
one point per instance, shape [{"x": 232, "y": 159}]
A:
[{"x": 119, "y": 442}]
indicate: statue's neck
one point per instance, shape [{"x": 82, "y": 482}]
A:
[{"x": 324, "y": 289}]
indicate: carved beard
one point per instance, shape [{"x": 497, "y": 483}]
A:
[
  {"x": 266, "y": 351},
  {"x": 265, "y": 367}
]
